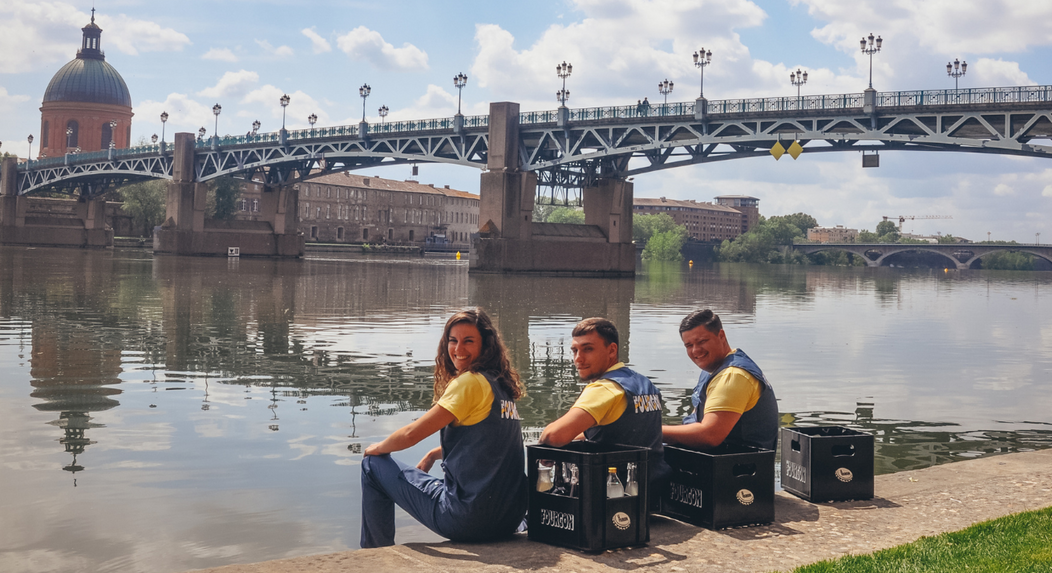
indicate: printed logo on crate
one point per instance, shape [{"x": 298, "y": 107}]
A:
[
  {"x": 559, "y": 519},
  {"x": 745, "y": 497},
  {"x": 685, "y": 494},
  {"x": 622, "y": 521},
  {"x": 844, "y": 475},
  {"x": 795, "y": 471}
]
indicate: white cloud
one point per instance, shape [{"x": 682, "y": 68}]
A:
[
  {"x": 130, "y": 35},
  {"x": 300, "y": 106},
  {"x": 362, "y": 43},
  {"x": 220, "y": 54},
  {"x": 319, "y": 44},
  {"x": 280, "y": 51},
  {"x": 1047, "y": 191},
  {"x": 436, "y": 102},
  {"x": 1001, "y": 190},
  {"x": 8, "y": 102},
  {"x": 232, "y": 84},
  {"x": 184, "y": 115}
]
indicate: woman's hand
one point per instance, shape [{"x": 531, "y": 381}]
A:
[
  {"x": 413, "y": 433},
  {"x": 429, "y": 459}
]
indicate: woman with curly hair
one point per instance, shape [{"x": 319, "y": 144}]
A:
[{"x": 483, "y": 493}]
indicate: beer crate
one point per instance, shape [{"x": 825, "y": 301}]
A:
[
  {"x": 827, "y": 463},
  {"x": 583, "y": 517},
  {"x": 728, "y": 486}
]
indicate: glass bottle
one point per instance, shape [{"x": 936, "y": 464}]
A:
[
  {"x": 559, "y": 479},
  {"x": 573, "y": 480},
  {"x": 544, "y": 477},
  {"x": 613, "y": 485},
  {"x": 631, "y": 485}
]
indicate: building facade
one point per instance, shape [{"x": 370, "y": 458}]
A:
[
  {"x": 87, "y": 105},
  {"x": 836, "y": 234},
  {"x": 705, "y": 222},
  {"x": 348, "y": 208},
  {"x": 748, "y": 206}
]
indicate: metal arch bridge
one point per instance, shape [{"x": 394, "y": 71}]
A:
[
  {"x": 572, "y": 147},
  {"x": 962, "y": 254}
]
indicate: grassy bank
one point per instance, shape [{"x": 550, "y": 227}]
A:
[{"x": 1017, "y": 543}]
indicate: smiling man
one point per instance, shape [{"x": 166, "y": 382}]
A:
[
  {"x": 733, "y": 401},
  {"x": 618, "y": 406}
]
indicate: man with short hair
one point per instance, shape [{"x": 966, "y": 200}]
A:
[
  {"x": 618, "y": 406},
  {"x": 733, "y": 401}
]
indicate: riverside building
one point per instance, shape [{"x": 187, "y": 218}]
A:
[
  {"x": 348, "y": 208},
  {"x": 837, "y": 234},
  {"x": 704, "y": 221}
]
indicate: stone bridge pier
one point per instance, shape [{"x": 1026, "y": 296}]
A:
[
  {"x": 83, "y": 225},
  {"x": 187, "y": 231},
  {"x": 510, "y": 242}
]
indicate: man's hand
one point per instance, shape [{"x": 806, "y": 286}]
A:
[
  {"x": 710, "y": 432},
  {"x": 567, "y": 428}
]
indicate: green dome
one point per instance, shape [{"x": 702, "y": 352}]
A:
[{"x": 88, "y": 80}]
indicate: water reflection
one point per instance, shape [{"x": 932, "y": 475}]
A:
[{"x": 250, "y": 387}]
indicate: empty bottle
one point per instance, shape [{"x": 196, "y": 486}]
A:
[
  {"x": 631, "y": 485},
  {"x": 613, "y": 485}
]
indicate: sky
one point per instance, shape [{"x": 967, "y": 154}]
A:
[{"x": 184, "y": 57}]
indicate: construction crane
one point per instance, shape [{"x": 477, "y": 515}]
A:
[{"x": 903, "y": 218}]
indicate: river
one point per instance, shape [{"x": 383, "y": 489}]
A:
[{"x": 165, "y": 413}]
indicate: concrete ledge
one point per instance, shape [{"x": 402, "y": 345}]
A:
[
  {"x": 909, "y": 505},
  {"x": 553, "y": 256},
  {"x": 57, "y": 236},
  {"x": 216, "y": 242}
]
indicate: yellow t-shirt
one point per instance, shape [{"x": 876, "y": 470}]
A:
[
  {"x": 733, "y": 390},
  {"x": 604, "y": 400},
  {"x": 469, "y": 398}
]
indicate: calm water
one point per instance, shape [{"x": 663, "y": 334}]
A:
[{"x": 166, "y": 414}]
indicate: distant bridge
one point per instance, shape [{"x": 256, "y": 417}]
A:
[
  {"x": 961, "y": 254},
  {"x": 575, "y": 147}
]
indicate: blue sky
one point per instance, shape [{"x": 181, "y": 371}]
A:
[{"x": 184, "y": 57}]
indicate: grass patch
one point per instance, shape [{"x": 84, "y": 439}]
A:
[{"x": 1017, "y": 543}]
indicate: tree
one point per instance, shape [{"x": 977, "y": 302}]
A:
[
  {"x": 646, "y": 226},
  {"x": 886, "y": 227},
  {"x": 223, "y": 196},
  {"x": 568, "y": 215},
  {"x": 666, "y": 245},
  {"x": 768, "y": 242},
  {"x": 865, "y": 236},
  {"x": 801, "y": 221},
  {"x": 145, "y": 202}
]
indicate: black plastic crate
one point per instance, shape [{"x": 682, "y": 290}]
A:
[
  {"x": 585, "y": 518},
  {"x": 727, "y": 486},
  {"x": 827, "y": 463}
]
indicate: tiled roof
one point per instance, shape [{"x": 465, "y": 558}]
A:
[
  {"x": 348, "y": 179},
  {"x": 88, "y": 80},
  {"x": 650, "y": 202}
]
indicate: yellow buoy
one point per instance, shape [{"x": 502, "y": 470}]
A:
[
  {"x": 458, "y": 255},
  {"x": 691, "y": 262}
]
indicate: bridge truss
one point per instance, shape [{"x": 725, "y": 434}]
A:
[{"x": 572, "y": 148}]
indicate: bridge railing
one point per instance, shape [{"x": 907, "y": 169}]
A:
[{"x": 1016, "y": 94}]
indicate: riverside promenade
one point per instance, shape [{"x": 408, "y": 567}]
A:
[{"x": 908, "y": 505}]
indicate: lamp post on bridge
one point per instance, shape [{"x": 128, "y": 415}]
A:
[
  {"x": 283, "y": 135},
  {"x": 798, "y": 79},
  {"x": 363, "y": 127},
  {"x": 312, "y": 119},
  {"x": 216, "y": 110},
  {"x": 873, "y": 48},
  {"x": 153, "y": 139},
  {"x": 30, "y": 156},
  {"x": 69, "y": 138},
  {"x": 383, "y": 111},
  {"x": 459, "y": 81},
  {"x": 201, "y": 134},
  {"x": 563, "y": 70},
  {"x": 665, "y": 88},
  {"x": 702, "y": 58},
  {"x": 956, "y": 70},
  {"x": 113, "y": 133},
  {"x": 255, "y": 127},
  {"x": 164, "y": 120}
]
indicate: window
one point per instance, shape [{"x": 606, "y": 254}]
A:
[
  {"x": 328, "y": 211},
  {"x": 314, "y": 232},
  {"x": 107, "y": 134},
  {"x": 339, "y": 233},
  {"x": 411, "y": 234},
  {"x": 255, "y": 205},
  {"x": 365, "y": 234},
  {"x": 44, "y": 134}
]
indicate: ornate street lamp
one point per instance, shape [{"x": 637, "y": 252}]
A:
[
  {"x": 383, "y": 111},
  {"x": 459, "y": 81},
  {"x": 69, "y": 137},
  {"x": 665, "y": 88},
  {"x": 113, "y": 133},
  {"x": 702, "y": 58},
  {"x": 873, "y": 48},
  {"x": 255, "y": 126},
  {"x": 364, "y": 91},
  {"x": 216, "y": 109},
  {"x": 312, "y": 119},
  {"x": 956, "y": 71},
  {"x": 798, "y": 79},
  {"x": 201, "y": 134},
  {"x": 284, "y": 103},
  {"x": 563, "y": 70},
  {"x": 164, "y": 120},
  {"x": 30, "y": 156},
  {"x": 153, "y": 138}
]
